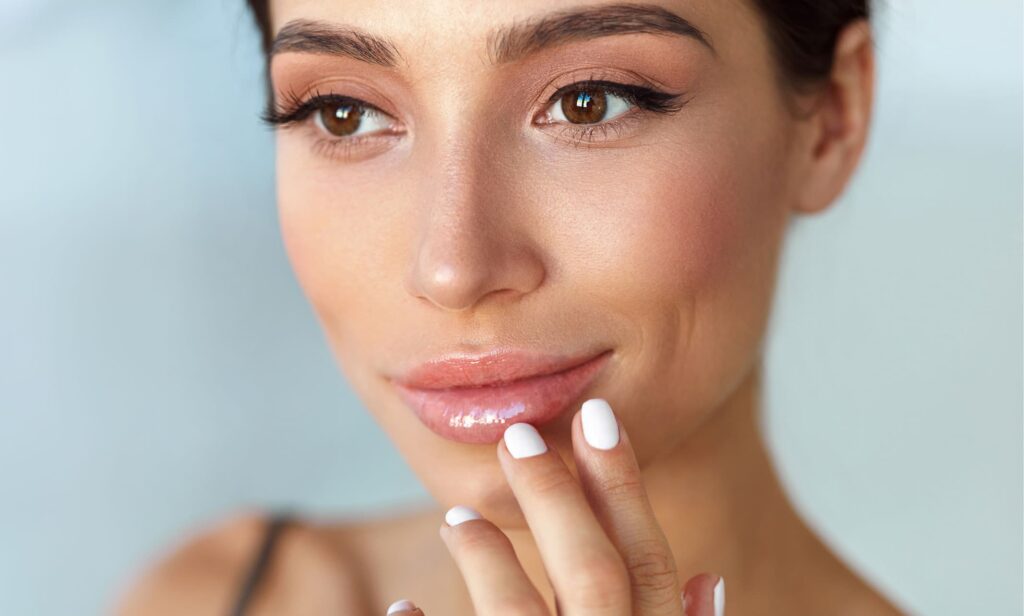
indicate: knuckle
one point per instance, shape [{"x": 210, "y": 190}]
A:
[
  {"x": 651, "y": 566},
  {"x": 627, "y": 487},
  {"x": 601, "y": 582}
]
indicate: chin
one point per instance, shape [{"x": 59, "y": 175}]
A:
[
  {"x": 498, "y": 504},
  {"x": 469, "y": 474}
]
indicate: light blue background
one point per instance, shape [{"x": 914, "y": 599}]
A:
[{"x": 159, "y": 366}]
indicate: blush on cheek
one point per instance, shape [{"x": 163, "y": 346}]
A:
[
  {"x": 688, "y": 231},
  {"x": 706, "y": 236}
]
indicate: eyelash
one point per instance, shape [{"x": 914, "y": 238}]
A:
[
  {"x": 294, "y": 111},
  {"x": 646, "y": 99}
]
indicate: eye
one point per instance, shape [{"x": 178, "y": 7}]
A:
[
  {"x": 349, "y": 119},
  {"x": 587, "y": 105}
]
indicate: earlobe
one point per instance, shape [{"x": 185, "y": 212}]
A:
[{"x": 840, "y": 120}]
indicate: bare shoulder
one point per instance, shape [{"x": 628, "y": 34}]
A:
[{"x": 203, "y": 573}]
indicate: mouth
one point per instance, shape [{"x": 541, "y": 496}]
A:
[{"x": 473, "y": 399}]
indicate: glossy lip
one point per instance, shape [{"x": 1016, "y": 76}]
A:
[{"x": 473, "y": 399}]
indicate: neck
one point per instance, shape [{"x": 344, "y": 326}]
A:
[{"x": 718, "y": 498}]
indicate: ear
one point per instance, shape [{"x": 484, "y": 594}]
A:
[{"x": 839, "y": 121}]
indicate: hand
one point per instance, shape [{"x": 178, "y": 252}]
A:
[{"x": 600, "y": 543}]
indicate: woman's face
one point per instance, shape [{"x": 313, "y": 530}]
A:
[{"x": 470, "y": 214}]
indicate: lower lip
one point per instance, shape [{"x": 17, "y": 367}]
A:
[{"x": 481, "y": 414}]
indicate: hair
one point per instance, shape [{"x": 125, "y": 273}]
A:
[{"x": 803, "y": 33}]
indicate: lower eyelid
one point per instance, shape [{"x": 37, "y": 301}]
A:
[
  {"x": 351, "y": 147},
  {"x": 611, "y": 133},
  {"x": 328, "y": 144}
]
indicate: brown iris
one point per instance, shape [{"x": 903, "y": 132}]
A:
[
  {"x": 584, "y": 106},
  {"x": 341, "y": 120}
]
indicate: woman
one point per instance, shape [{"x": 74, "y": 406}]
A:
[{"x": 504, "y": 212}]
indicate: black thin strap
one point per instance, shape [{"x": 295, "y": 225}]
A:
[{"x": 275, "y": 524}]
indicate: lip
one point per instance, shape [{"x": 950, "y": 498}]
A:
[{"x": 472, "y": 399}]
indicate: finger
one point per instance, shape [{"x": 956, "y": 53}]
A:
[
  {"x": 704, "y": 595},
  {"x": 585, "y": 570},
  {"x": 612, "y": 483},
  {"x": 404, "y": 607},
  {"x": 494, "y": 577}
]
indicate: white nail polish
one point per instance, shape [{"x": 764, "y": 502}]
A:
[
  {"x": 599, "y": 426},
  {"x": 402, "y": 605},
  {"x": 459, "y": 514},
  {"x": 720, "y": 597},
  {"x": 524, "y": 441}
]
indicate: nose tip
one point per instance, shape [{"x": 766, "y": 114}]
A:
[
  {"x": 476, "y": 227},
  {"x": 452, "y": 286},
  {"x": 458, "y": 266}
]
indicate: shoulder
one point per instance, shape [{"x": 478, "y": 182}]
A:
[{"x": 202, "y": 574}]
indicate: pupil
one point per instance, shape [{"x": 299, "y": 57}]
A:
[
  {"x": 341, "y": 120},
  {"x": 583, "y": 106}
]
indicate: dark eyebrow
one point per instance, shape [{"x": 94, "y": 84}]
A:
[
  {"x": 513, "y": 42},
  {"x": 321, "y": 37}
]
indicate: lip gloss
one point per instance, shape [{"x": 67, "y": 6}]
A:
[{"x": 479, "y": 414}]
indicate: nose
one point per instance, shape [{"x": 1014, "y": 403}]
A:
[{"x": 474, "y": 244}]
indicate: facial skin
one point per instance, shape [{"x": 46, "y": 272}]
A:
[{"x": 476, "y": 228}]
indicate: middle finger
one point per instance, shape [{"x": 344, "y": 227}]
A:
[
  {"x": 585, "y": 569},
  {"x": 612, "y": 482}
]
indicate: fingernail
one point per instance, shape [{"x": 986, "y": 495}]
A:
[
  {"x": 459, "y": 514},
  {"x": 402, "y": 605},
  {"x": 524, "y": 441},
  {"x": 720, "y": 596},
  {"x": 599, "y": 426}
]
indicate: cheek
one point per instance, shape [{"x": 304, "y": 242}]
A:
[
  {"x": 658, "y": 233},
  {"x": 682, "y": 253},
  {"x": 684, "y": 233},
  {"x": 307, "y": 210},
  {"x": 342, "y": 239}
]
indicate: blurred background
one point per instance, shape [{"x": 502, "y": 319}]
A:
[{"x": 160, "y": 368}]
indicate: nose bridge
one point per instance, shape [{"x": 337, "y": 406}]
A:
[{"x": 471, "y": 242}]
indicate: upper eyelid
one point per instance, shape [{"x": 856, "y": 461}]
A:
[
  {"x": 619, "y": 89},
  {"x": 635, "y": 95},
  {"x": 299, "y": 110}
]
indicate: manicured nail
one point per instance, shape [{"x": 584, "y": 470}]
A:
[
  {"x": 402, "y": 605},
  {"x": 524, "y": 441},
  {"x": 599, "y": 426},
  {"x": 459, "y": 514},
  {"x": 720, "y": 596}
]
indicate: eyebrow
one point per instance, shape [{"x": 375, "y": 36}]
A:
[
  {"x": 320, "y": 37},
  {"x": 505, "y": 44},
  {"x": 518, "y": 40}
]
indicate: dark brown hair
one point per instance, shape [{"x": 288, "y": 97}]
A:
[{"x": 803, "y": 32}]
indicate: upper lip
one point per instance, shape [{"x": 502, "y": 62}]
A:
[{"x": 489, "y": 369}]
